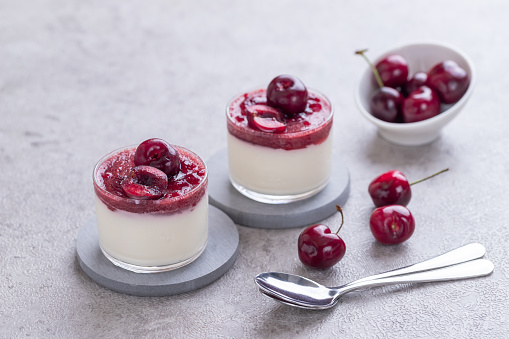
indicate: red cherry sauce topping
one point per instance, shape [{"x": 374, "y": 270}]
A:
[
  {"x": 302, "y": 129},
  {"x": 183, "y": 191},
  {"x": 145, "y": 182},
  {"x": 265, "y": 119}
]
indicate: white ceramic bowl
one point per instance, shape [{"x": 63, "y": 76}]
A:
[{"x": 420, "y": 57}]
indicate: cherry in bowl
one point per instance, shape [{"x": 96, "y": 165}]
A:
[{"x": 420, "y": 57}]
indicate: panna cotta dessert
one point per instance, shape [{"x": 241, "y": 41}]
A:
[
  {"x": 279, "y": 141},
  {"x": 152, "y": 206}
]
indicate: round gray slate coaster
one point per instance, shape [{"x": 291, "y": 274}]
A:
[
  {"x": 247, "y": 212},
  {"x": 216, "y": 259}
]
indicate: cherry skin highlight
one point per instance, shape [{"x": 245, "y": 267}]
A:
[
  {"x": 393, "y": 70},
  {"x": 319, "y": 248},
  {"x": 449, "y": 80},
  {"x": 287, "y": 93},
  {"x": 385, "y": 104},
  {"x": 421, "y": 104},
  {"x": 159, "y": 154},
  {"x": 390, "y": 188},
  {"x": 392, "y": 224},
  {"x": 417, "y": 80},
  {"x": 265, "y": 118},
  {"x": 145, "y": 182},
  {"x": 393, "y": 188}
]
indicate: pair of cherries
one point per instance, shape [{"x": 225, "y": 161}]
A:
[
  {"x": 155, "y": 162},
  {"x": 399, "y": 99},
  {"x": 286, "y": 97},
  {"x": 390, "y": 223}
]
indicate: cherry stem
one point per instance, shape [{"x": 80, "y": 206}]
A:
[
  {"x": 373, "y": 68},
  {"x": 431, "y": 176},
  {"x": 340, "y": 210}
]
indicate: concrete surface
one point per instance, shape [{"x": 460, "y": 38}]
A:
[{"x": 79, "y": 79}]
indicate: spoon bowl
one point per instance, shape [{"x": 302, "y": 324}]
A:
[{"x": 294, "y": 289}]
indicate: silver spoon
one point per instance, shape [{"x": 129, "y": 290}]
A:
[{"x": 301, "y": 292}]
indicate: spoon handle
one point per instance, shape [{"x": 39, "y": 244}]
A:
[
  {"x": 470, "y": 269},
  {"x": 457, "y": 256}
]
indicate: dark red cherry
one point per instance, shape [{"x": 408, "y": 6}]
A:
[
  {"x": 319, "y": 248},
  {"x": 449, "y": 80},
  {"x": 390, "y": 188},
  {"x": 392, "y": 224},
  {"x": 417, "y": 80},
  {"x": 159, "y": 154},
  {"x": 393, "y": 70},
  {"x": 265, "y": 118},
  {"x": 393, "y": 188},
  {"x": 287, "y": 93},
  {"x": 145, "y": 182},
  {"x": 385, "y": 104},
  {"x": 421, "y": 104}
]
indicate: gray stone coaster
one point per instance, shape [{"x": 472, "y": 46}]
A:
[
  {"x": 247, "y": 212},
  {"x": 216, "y": 259}
]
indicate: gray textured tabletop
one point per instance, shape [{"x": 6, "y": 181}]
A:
[{"x": 79, "y": 79}]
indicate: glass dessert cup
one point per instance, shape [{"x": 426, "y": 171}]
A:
[
  {"x": 279, "y": 168},
  {"x": 148, "y": 236}
]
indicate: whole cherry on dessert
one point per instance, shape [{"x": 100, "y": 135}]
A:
[
  {"x": 386, "y": 102},
  {"x": 393, "y": 70},
  {"x": 392, "y": 224},
  {"x": 421, "y": 104},
  {"x": 319, "y": 248},
  {"x": 159, "y": 154},
  {"x": 145, "y": 182},
  {"x": 265, "y": 118},
  {"x": 393, "y": 188},
  {"x": 287, "y": 93},
  {"x": 417, "y": 80},
  {"x": 449, "y": 80}
]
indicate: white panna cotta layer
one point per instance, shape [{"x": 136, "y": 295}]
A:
[
  {"x": 150, "y": 239},
  {"x": 279, "y": 172}
]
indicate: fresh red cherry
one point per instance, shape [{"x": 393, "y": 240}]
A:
[
  {"x": 393, "y": 188},
  {"x": 159, "y": 154},
  {"x": 393, "y": 70},
  {"x": 385, "y": 103},
  {"x": 417, "y": 80},
  {"x": 319, "y": 248},
  {"x": 145, "y": 182},
  {"x": 421, "y": 104},
  {"x": 265, "y": 118},
  {"x": 287, "y": 93},
  {"x": 449, "y": 80},
  {"x": 392, "y": 224}
]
